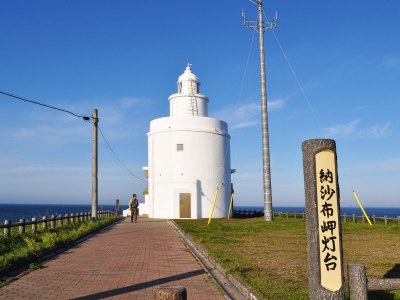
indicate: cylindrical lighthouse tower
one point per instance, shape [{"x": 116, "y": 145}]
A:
[{"x": 188, "y": 158}]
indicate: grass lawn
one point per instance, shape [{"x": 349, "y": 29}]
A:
[
  {"x": 271, "y": 257},
  {"x": 17, "y": 247}
]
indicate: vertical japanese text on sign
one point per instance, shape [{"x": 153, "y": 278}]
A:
[{"x": 328, "y": 220}]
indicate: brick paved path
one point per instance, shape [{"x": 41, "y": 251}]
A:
[{"x": 126, "y": 261}]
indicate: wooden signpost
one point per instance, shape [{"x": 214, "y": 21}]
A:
[{"x": 324, "y": 232}]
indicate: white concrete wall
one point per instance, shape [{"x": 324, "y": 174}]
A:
[
  {"x": 185, "y": 105},
  {"x": 202, "y": 166},
  {"x": 143, "y": 208}
]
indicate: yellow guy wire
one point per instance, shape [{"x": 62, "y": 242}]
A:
[
  {"x": 230, "y": 207},
  {"x": 215, "y": 199},
  {"x": 362, "y": 208}
]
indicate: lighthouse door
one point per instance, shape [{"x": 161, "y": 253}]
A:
[{"x": 184, "y": 205}]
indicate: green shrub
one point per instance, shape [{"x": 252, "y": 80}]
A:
[
  {"x": 35, "y": 266},
  {"x": 32, "y": 244},
  {"x": 17, "y": 247},
  {"x": 49, "y": 239}
]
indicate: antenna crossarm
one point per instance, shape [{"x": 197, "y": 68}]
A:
[
  {"x": 248, "y": 24},
  {"x": 266, "y": 25},
  {"x": 270, "y": 25},
  {"x": 255, "y": 24}
]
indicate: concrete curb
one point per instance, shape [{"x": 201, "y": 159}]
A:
[
  {"x": 232, "y": 287},
  {"x": 22, "y": 268}
]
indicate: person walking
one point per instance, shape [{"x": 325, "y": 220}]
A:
[{"x": 133, "y": 205}]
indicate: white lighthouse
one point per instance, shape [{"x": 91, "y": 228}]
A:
[{"x": 188, "y": 158}]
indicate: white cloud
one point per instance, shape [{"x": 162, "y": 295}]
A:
[
  {"x": 392, "y": 62},
  {"x": 115, "y": 119},
  {"x": 350, "y": 129},
  {"x": 341, "y": 130},
  {"x": 276, "y": 104},
  {"x": 129, "y": 102},
  {"x": 246, "y": 115},
  {"x": 244, "y": 124},
  {"x": 376, "y": 131},
  {"x": 117, "y": 111},
  {"x": 56, "y": 133}
]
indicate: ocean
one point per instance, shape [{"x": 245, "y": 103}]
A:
[
  {"x": 391, "y": 212},
  {"x": 15, "y": 212}
]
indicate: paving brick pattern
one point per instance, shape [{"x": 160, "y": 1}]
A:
[{"x": 126, "y": 261}]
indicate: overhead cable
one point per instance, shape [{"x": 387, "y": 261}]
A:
[
  {"x": 45, "y": 105},
  {"x": 296, "y": 78},
  {"x": 86, "y": 118},
  {"x": 121, "y": 164},
  {"x": 245, "y": 70}
]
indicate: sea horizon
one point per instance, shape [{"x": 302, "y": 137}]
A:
[
  {"x": 17, "y": 211},
  {"x": 391, "y": 212},
  {"x": 238, "y": 205}
]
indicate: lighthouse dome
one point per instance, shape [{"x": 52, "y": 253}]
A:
[
  {"x": 188, "y": 76},
  {"x": 188, "y": 83}
]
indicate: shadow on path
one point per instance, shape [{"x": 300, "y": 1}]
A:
[
  {"x": 140, "y": 286},
  {"x": 394, "y": 272}
]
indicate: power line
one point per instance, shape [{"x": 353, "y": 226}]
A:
[
  {"x": 45, "y": 105},
  {"x": 117, "y": 158},
  {"x": 241, "y": 87},
  {"x": 86, "y": 118},
  {"x": 245, "y": 69},
  {"x": 296, "y": 78}
]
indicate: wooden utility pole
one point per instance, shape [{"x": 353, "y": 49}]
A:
[
  {"x": 94, "y": 166},
  {"x": 259, "y": 26},
  {"x": 117, "y": 207}
]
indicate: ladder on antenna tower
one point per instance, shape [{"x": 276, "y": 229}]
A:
[{"x": 193, "y": 102}]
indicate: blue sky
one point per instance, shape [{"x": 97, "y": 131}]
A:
[{"x": 124, "y": 58}]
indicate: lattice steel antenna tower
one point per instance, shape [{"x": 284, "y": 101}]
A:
[{"x": 259, "y": 26}]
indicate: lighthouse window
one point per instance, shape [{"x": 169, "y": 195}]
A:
[{"x": 179, "y": 147}]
